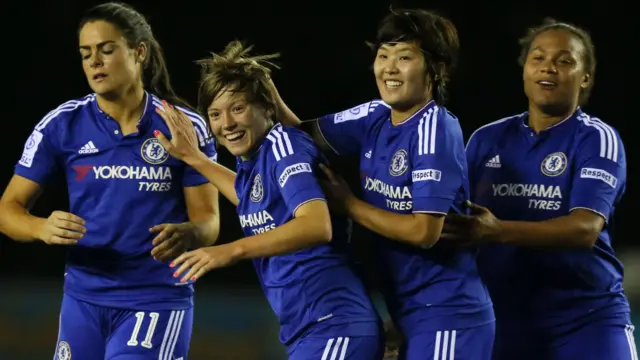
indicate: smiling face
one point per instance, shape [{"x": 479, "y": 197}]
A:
[
  {"x": 400, "y": 72},
  {"x": 554, "y": 71},
  {"x": 108, "y": 63},
  {"x": 237, "y": 123}
]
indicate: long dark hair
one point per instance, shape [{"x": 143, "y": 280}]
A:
[{"x": 136, "y": 30}]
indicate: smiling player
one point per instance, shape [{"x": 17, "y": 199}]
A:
[
  {"x": 553, "y": 176},
  {"x": 413, "y": 169}
]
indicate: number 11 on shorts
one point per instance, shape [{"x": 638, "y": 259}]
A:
[{"x": 140, "y": 316}]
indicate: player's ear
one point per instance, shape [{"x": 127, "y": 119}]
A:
[
  {"x": 141, "y": 53},
  {"x": 586, "y": 80},
  {"x": 270, "y": 115}
]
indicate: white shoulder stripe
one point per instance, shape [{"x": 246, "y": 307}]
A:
[
  {"x": 280, "y": 142},
  {"x": 66, "y": 107},
  {"x": 427, "y": 132},
  {"x": 198, "y": 123},
  {"x": 374, "y": 104},
  {"x": 608, "y": 139},
  {"x": 493, "y": 123}
]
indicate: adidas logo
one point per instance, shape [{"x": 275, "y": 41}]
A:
[
  {"x": 494, "y": 162},
  {"x": 368, "y": 154},
  {"x": 88, "y": 148}
]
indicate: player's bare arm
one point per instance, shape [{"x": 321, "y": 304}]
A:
[
  {"x": 287, "y": 117},
  {"x": 311, "y": 226},
  {"x": 16, "y": 222},
  {"x": 422, "y": 230},
  {"x": 579, "y": 229}
]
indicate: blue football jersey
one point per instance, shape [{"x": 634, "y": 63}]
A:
[
  {"x": 519, "y": 175},
  {"x": 418, "y": 166},
  {"x": 311, "y": 286},
  {"x": 121, "y": 186}
]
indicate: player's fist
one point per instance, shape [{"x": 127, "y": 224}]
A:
[{"x": 61, "y": 228}]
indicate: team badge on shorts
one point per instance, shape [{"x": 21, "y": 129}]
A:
[
  {"x": 153, "y": 152},
  {"x": 399, "y": 163},
  {"x": 554, "y": 164},
  {"x": 64, "y": 351},
  {"x": 257, "y": 191}
]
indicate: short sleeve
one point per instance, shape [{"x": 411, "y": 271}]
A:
[
  {"x": 474, "y": 156},
  {"x": 206, "y": 143},
  {"x": 600, "y": 174},
  {"x": 293, "y": 169},
  {"x": 39, "y": 157},
  {"x": 437, "y": 159},
  {"x": 344, "y": 131}
]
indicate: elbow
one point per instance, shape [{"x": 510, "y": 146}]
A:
[
  {"x": 325, "y": 232},
  {"x": 318, "y": 231},
  {"x": 426, "y": 231},
  {"x": 425, "y": 238},
  {"x": 587, "y": 236}
]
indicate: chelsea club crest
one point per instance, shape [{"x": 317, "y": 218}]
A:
[
  {"x": 256, "y": 189},
  {"x": 554, "y": 164},
  {"x": 153, "y": 152},
  {"x": 399, "y": 163},
  {"x": 64, "y": 351}
]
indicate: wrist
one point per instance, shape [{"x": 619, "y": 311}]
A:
[
  {"x": 196, "y": 158},
  {"x": 192, "y": 233},
  {"x": 498, "y": 231},
  {"x": 238, "y": 250},
  {"x": 351, "y": 204},
  {"x": 35, "y": 226}
]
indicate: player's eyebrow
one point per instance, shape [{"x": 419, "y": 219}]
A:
[{"x": 99, "y": 45}]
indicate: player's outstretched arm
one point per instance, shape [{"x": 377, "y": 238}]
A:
[
  {"x": 579, "y": 229},
  {"x": 184, "y": 146},
  {"x": 16, "y": 222},
  {"x": 422, "y": 230},
  {"x": 311, "y": 226},
  {"x": 288, "y": 118}
]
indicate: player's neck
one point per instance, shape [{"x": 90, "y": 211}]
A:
[
  {"x": 126, "y": 108},
  {"x": 540, "y": 120},
  {"x": 400, "y": 115}
]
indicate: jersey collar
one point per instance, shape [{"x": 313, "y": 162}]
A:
[
  {"x": 570, "y": 119},
  {"x": 416, "y": 114},
  {"x": 145, "y": 118}
]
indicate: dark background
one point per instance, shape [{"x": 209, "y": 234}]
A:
[{"x": 325, "y": 68}]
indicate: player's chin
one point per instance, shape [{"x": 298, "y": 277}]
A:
[
  {"x": 102, "y": 89},
  {"x": 239, "y": 149},
  {"x": 552, "y": 104}
]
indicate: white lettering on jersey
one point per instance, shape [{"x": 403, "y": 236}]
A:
[
  {"x": 599, "y": 174},
  {"x": 30, "y": 148},
  {"x": 293, "y": 170},
  {"x": 398, "y": 197},
  {"x": 550, "y": 194},
  {"x": 261, "y": 221},
  {"x": 154, "y": 178},
  {"x": 426, "y": 175},
  {"x": 132, "y": 172}
]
